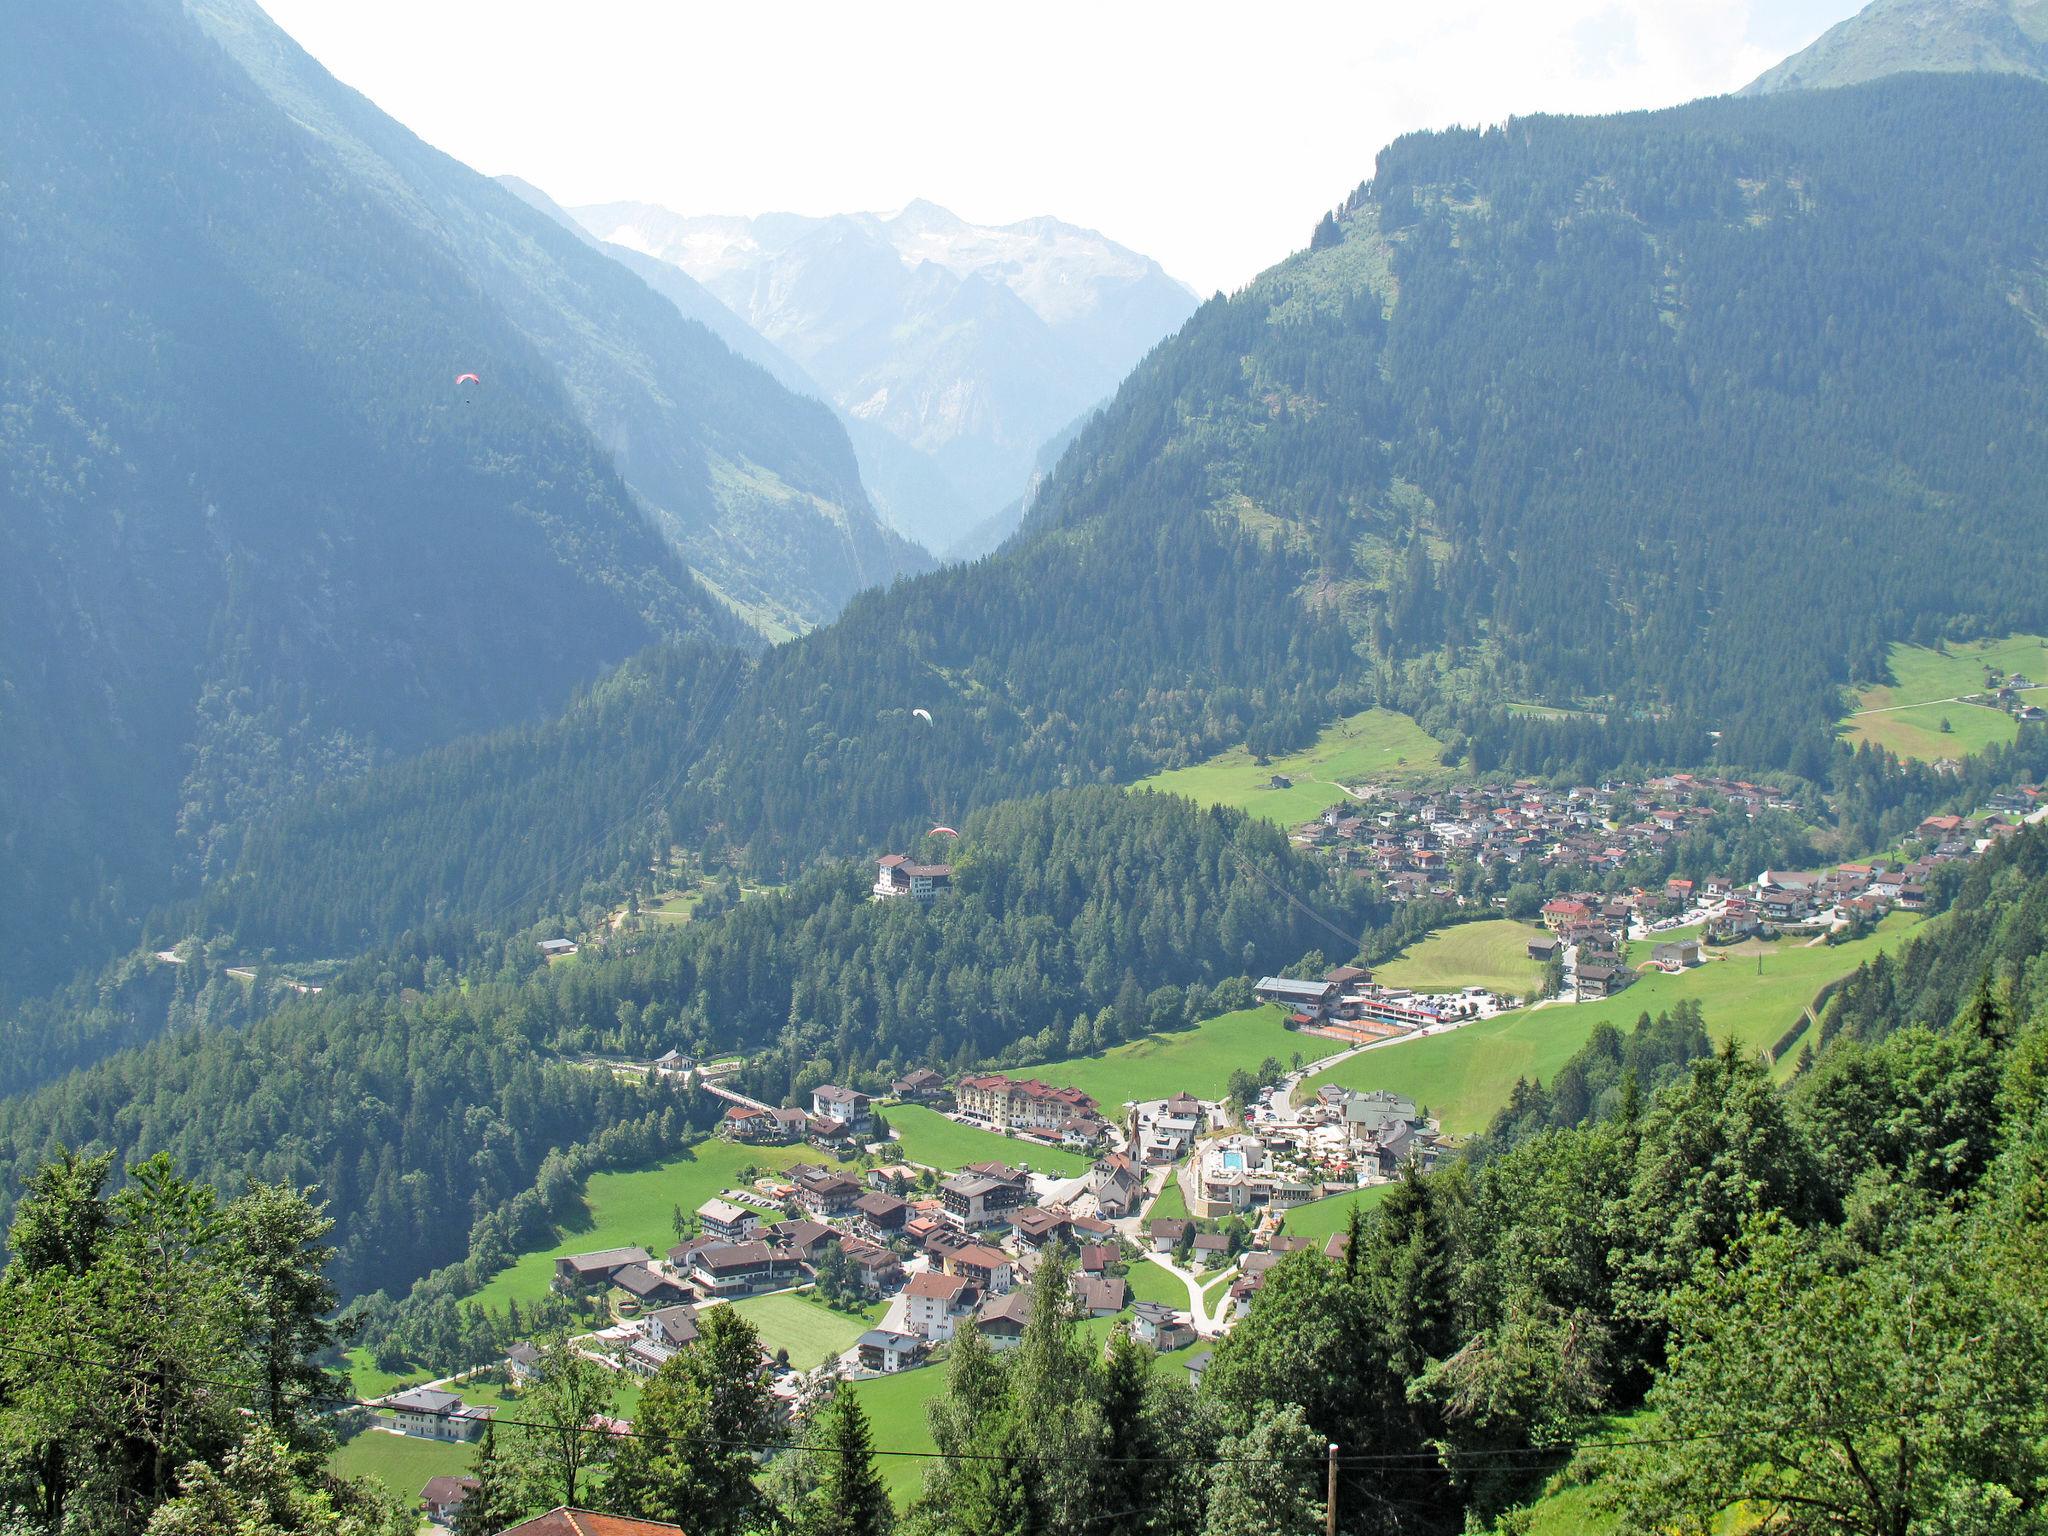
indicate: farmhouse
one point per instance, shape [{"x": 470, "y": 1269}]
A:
[
  {"x": 599, "y": 1268},
  {"x": 443, "y": 1496},
  {"x": 763, "y": 1127},
  {"x": 1677, "y": 954},
  {"x": 1160, "y": 1326},
  {"x": 736, "y": 1269}
]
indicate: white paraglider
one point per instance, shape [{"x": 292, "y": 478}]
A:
[{"x": 923, "y": 714}]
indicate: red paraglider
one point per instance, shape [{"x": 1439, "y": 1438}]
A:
[
  {"x": 942, "y": 832},
  {"x": 467, "y": 378}
]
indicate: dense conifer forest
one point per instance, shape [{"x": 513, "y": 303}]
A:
[{"x": 1548, "y": 416}]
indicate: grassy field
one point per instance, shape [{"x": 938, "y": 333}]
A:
[
  {"x": 930, "y": 1138},
  {"x": 1320, "y": 1218},
  {"x": 1493, "y": 954},
  {"x": 896, "y": 1409},
  {"x": 1198, "y": 1061},
  {"x": 1463, "y": 1076},
  {"x": 636, "y": 1207},
  {"x": 1905, "y": 716},
  {"x": 1378, "y": 746},
  {"x": 811, "y": 1331},
  {"x": 402, "y": 1463},
  {"x": 1148, "y": 1282},
  {"x": 1171, "y": 1203},
  {"x": 368, "y": 1381}
]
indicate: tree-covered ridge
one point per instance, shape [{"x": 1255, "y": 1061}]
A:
[
  {"x": 1667, "y": 409},
  {"x": 420, "y": 1100},
  {"x": 1550, "y": 412},
  {"x": 1083, "y": 658}
]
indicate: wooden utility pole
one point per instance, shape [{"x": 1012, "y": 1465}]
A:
[{"x": 1330, "y": 1496}]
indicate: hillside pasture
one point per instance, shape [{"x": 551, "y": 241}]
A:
[
  {"x": 1752, "y": 991},
  {"x": 1376, "y": 746},
  {"x": 636, "y": 1207},
  {"x": 800, "y": 1323},
  {"x": 925, "y": 1136},
  {"x": 1197, "y": 1061},
  {"x": 1493, "y": 954},
  {"x": 1904, "y": 716}
]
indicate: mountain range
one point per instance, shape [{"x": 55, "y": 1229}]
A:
[
  {"x": 969, "y": 345},
  {"x": 1890, "y": 37},
  {"x": 1546, "y": 415},
  {"x": 257, "y": 535}
]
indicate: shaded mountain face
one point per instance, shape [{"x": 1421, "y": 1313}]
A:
[
  {"x": 970, "y": 345},
  {"x": 257, "y": 536},
  {"x": 1892, "y": 37},
  {"x": 755, "y": 486}
]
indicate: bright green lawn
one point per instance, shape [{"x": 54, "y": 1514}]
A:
[
  {"x": 368, "y": 1381},
  {"x": 1925, "y": 678},
  {"x": 637, "y": 1207},
  {"x": 402, "y": 1463},
  {"x": 1493, "y": 954},
  {"x": 1465, "y": 1075},
  {"x": 811, "y": 1331},
  {"x": 1197, "y": 1061},
  {"x": 895, "y": 1408},
  {"x": 927, "y": 1137},
  {"x": 1148, "y": 1282},
  {"x": 1319, "y": 1218},
  {"x": 1171, "y": 1203},
  {"x": 1378, "y": 746}
]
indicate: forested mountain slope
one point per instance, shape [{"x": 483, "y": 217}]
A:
[
  {"x": 1550, "y": 412},
  {"x": 756, "y": 486},
  {"x": 1893, "y": 37},
  {"x": 254, "y": 532},
  {"x": 417, "y": 1103}
]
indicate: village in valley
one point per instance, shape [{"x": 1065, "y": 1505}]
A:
[{"x": 884, "y": 1221}]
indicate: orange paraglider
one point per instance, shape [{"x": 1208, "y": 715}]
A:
[{"x": 942, "y": 832}]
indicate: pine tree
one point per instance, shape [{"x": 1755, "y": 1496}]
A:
[
  {"x": 851, "y": 1499},
  {"x": 495, "y": 1502}
]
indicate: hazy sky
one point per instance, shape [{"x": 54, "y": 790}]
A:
[{"x": 1209, "y": 136}]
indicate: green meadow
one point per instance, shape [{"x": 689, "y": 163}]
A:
[
  {"x": 925, "y": 1136},
  {"x": 1752, "y": 991},
  {"x": 1198, "y": 1061},
  {"x": 1905, "y": 715},
  {"x": 802, "y": 1324},
  {"x": 621, "y": 1209},
  {"x": 1319, "y": 1218},
  {"x": 402, "y": 1463},
  {"x": 1493, "y": 954},
  {"x": 1378, "y": 746}
]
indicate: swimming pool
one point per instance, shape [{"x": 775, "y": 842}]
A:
[{"x": 1234, "y": 1160}]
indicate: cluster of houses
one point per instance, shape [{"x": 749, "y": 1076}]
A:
[
  {"x": 1414, "y": 841},
  {"x": 1348, "y": 1004},
  {"x": 2009, "y": 691},
  {"x": 839, "y": 1120}
]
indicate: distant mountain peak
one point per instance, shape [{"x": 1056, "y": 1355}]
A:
[
  {"x": 1894, "y": 37},
  {"x": 971, "y": 344}
]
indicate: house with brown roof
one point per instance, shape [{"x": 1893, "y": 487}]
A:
[
  {"x": 1003, "y": 1319},
  {"x": 935, "y": 1302},
  {"x": 1022, "y": 1104},
  {"x": 563, "y": 1521},
  {"x": 597, "y": 1268},
  {"x": 443, "y": 1496},
  {"x": 989, "y": 1270},
  {"x": 881, "y": 1215}
]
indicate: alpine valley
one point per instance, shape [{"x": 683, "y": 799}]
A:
[{"x": 824, "y": 876}]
